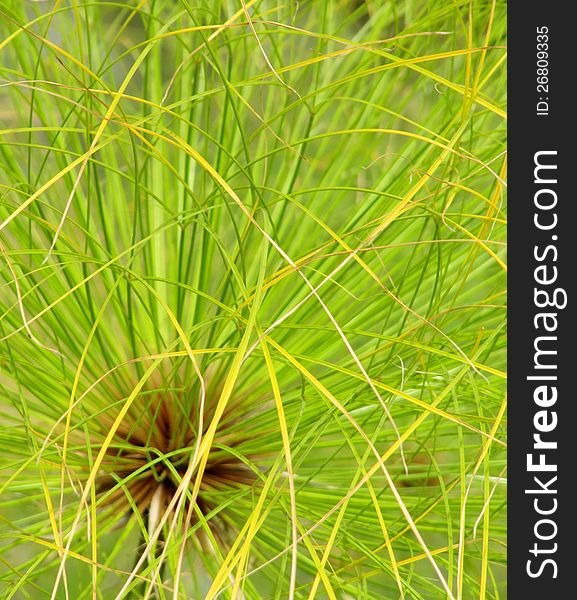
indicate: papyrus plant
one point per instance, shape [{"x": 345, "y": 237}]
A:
[{"x": 252, "y": 299}]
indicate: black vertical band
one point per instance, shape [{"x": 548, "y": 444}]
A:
[{"x": 542, "y": 270}]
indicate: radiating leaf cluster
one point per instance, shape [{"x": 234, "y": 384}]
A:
[{"x": 265, "y": 235}]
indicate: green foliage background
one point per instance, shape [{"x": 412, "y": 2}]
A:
[{"x": 285, "y": 223}]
